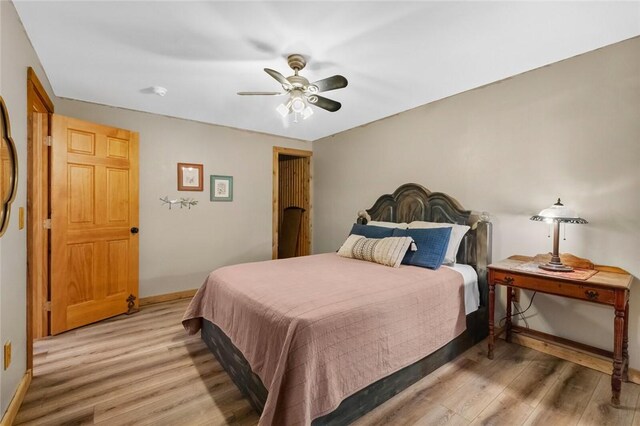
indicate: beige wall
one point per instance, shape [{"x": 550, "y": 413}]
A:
[
  {"x": 570, "y": 130},
  {"x": 16, "y": 56},
  {"x": 179, "y": 247}
]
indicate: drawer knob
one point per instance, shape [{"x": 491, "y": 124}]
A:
[
  {"x": 508, "y": 280},
  {"x": 591, "y": 294}
]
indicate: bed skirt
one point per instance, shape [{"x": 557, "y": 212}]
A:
[{"x": 360, "y": 402}]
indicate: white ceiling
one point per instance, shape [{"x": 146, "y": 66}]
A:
[{"x": 396, "y": 55}]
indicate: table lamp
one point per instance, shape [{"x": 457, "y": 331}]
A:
[{"x": 557, "y": 214}]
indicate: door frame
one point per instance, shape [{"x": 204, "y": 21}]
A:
[
  {"x": 36, "y": 169},
  {"x": 275, "y": 224}
]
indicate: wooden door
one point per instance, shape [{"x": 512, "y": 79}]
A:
[{"x": 94, "y": 215}]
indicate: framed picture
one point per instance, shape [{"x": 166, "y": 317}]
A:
[
  {"x": 221, "y": 188},
  {"x": 190, "y": 177}
]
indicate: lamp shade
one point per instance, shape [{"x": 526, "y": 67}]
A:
[
  {"x": 558, "y": 213},
  {"x": 283, "y": 110}
]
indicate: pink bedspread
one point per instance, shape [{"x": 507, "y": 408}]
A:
[{"x": 317, "y": 329}]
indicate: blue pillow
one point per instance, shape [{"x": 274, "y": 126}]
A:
[
  {"x": 431, "y": 246},
  {"x": 371, "y": 231}
]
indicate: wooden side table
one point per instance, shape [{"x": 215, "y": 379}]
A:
[{"x": 609, "y": 286}]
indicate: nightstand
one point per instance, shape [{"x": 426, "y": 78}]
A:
[{"x": 608, "y": 286}]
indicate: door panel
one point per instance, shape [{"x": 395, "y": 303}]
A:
[
  {"x": 118, "y": 253},
  {"x": 118, "y": 148},
  {"x": 81, "y": 142},
  {"x": 117, "y": 196},
  {"x": 94, "y": 204},
  {"x": 81, "y": 186},
  {"x": 81, "y": 275}
]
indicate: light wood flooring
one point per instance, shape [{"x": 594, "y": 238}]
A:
[{"x": 143, "y": 369}]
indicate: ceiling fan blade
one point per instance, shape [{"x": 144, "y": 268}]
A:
[
  {"x": 279, "y": 77},
  {"x": 331, "y": 83},
  {"x": 260, "y": 93},
  {"x": 324, "y": 103}
]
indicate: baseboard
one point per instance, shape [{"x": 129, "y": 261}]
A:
[
  {"x": 12, "y": 411},
  {"x": 576, "y": 356},
  {"x": 150, "y": 300}
]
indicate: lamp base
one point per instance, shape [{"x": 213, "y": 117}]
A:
[{"x": 555, "y": 267}]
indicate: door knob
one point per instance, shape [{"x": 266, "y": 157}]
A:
[{"x": 134, "y": 230}]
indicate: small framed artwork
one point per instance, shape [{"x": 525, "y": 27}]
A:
[
  {"x": 190, "y": 177},
  {"x": 221, "y": 188}
]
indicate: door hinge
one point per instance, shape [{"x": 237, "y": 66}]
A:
[
  {"x": 47, "y": 306},
  {"x": 48, "y": 141},
  {"x": 46, "y": 224}
]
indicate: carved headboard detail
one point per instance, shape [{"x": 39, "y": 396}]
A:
[{"x": 412, "y": 202}]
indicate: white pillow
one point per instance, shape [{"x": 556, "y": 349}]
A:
[
  {"x": 457, "y": 233},
  {"x": 347, "y": 247},
  {"x": 402, "y": 225},
  {"x": 386, "y": 251}
]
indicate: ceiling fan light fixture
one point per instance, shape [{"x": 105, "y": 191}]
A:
[
  {"x": 283, "y": 110},
  {"x": 308, "y": 112},
  {"x": 298, "y": 105}
]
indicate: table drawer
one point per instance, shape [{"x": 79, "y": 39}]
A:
[{"x": 555, "y": 286}]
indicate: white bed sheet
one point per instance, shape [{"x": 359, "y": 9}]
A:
[{"x": 471, "y": 291}]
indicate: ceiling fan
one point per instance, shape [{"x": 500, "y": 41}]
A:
[{"x": 301, "y": 92}]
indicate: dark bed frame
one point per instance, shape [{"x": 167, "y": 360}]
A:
[{"x": 408, "y": 203}]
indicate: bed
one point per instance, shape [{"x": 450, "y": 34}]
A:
[{"x": 301, "y": 319}]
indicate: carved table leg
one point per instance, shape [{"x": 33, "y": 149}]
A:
[
  {"x": 507, "y": 324},
  {"x": 492, "y": 301},
  {"x": 625, "y": 344},
  {"x": 616, "y": 376}
]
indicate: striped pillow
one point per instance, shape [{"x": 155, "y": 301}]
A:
[{"x": 385, "y": 251}]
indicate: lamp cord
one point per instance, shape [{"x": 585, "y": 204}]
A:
[
  {"x": 516, "y": 307},
  {"x": 519, "y": 312}
]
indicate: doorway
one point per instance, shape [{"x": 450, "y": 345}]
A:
[
  {"x": 291, "y": 191},
  {"x": 82, "y": 212}
]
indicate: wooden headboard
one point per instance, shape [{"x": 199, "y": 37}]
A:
[{"x": 414, "y": 202}]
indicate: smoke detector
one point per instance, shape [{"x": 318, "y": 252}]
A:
[{"x": 159, "y": 90}]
